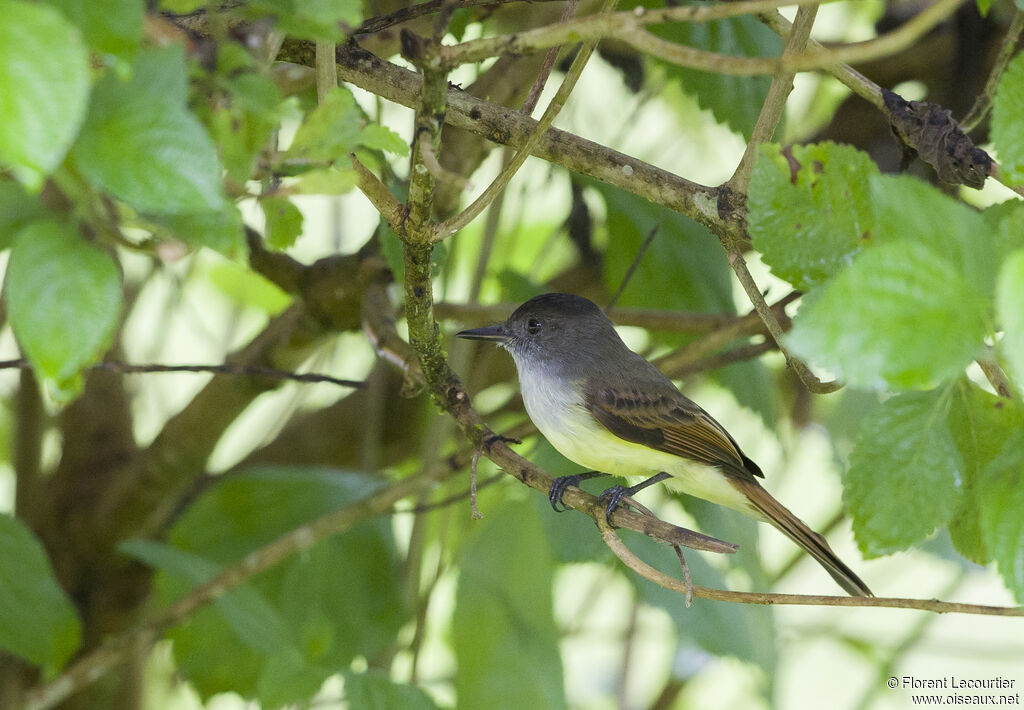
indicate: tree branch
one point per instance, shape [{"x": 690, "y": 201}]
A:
[
  {"x": 724, "y": 595},
  {"x": 629, "y": 27},
  {"x": 708, "y": 206}
]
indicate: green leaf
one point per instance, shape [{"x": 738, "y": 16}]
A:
[
  {"x": 255, "y": 622},
  {"x": 734, "y": 100},
  {"x": 332, "y": 130},
  {"x": 326, "y": 181},
  {"x": 338, "y": 600},
  {"x": 980, "y": 423},
  {"x": 44, "y": 89},
  {"x": 17, "y": 208},
  {"x": 683, "y": 268},
  {"x": 310, "y": 19},
  {"x": 247, "y": 288},
  {"x": 284, "y": 221},
  {"x": 377, "y": 137},
  {"x": 1008, "y": 120},
  {"x": 37, "y": 621},
  {"x": 906, "y": 474},
  {"x": 181, "y": 6},
  {"x": 1010, "y": 313},
  {"x": 503, "y": 628},
  {"x": 810, "y": 224},
  {"x": 63, "y": 298},
  {"x": 1001, "y": 495},
  {"x": 948, "y": 226},
  {"x": 245, "y": 127},
  {"x": 373, "y": 690},
  {"x": 141, "y": 144},
  {"x": 220, "y": 230},
  {"x": 112, "y": 27},
  {"x": 900, "y": 316}
]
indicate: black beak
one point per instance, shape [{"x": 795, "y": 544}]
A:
[{"x": 490, "y": 332}]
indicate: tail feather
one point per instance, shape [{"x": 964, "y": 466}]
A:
[{"x": 798, "y": 531}]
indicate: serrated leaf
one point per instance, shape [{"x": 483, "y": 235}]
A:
[
  {"x": 284, "y": 221},
  {"x": 810, "y": 224},
  {"x": 1008, "y": 120},
  {"x": 980, "y": 423},
  {"x": 900, "y": 316},
  {"x": 947, "y": 226},
  {"x": 503, "y": 629},
  {"x": 906, "y": 474},
  {"x": 44, "y": 89},
  {"x": 37, "y": 620},
  {"x": 142, "y": 145},
  {"x": 332, "y": 130},
  {"x": 252, "y": 618},
  {"x": 373, "y": 690},
  {"x": 111, "y": 27},
  {"x": 1001, "y": 497},
  {"x": 1010, "y": 313},
  {"x": 63, "y": 299}
]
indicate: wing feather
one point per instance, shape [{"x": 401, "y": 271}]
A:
[{"x": 670, "y": 422}]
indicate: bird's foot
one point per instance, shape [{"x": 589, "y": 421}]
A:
[
  {"x": 559, "y": 485},
  {"x": 615, "y": 494}
]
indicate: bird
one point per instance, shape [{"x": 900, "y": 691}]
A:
[{"x": 609, "y": 409}]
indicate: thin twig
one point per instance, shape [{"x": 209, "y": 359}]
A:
[
  {"x": 629, "y": 27},
  {"x": 453, "y": 225},
  {"x": 684, "y": 359},
  {"x": 379, "y": 195},
  {"x": 412, "y": 12},
  {"x": 983, "y": 102},
  {"x": 739, "y": 267},
  {"x": 326, "y": 69},
  {"x": 454, "y": 498},
  {"x": 439, "y": 172},
  {"x": 725, "y": 595},
  {"x": 775, "y": 101},
  {"x": 227, "y": 368},
  {"x": 474, "y": 510},
  {"x": 632, "y": 268},
  {"x": 996, "y": 376},
  {"x": 549, "y": 61}
]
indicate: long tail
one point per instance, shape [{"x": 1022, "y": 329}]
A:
[{"x": 794, "y": 528}]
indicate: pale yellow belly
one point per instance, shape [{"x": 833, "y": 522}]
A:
[{"x": 565, "y": 422}]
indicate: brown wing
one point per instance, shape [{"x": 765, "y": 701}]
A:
[{"x": 669, "y": 422}]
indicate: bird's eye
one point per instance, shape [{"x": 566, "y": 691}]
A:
[{"x": 533, "y": 326}]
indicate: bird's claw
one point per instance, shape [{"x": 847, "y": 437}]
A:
[{"x": 559, "y": 485}]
